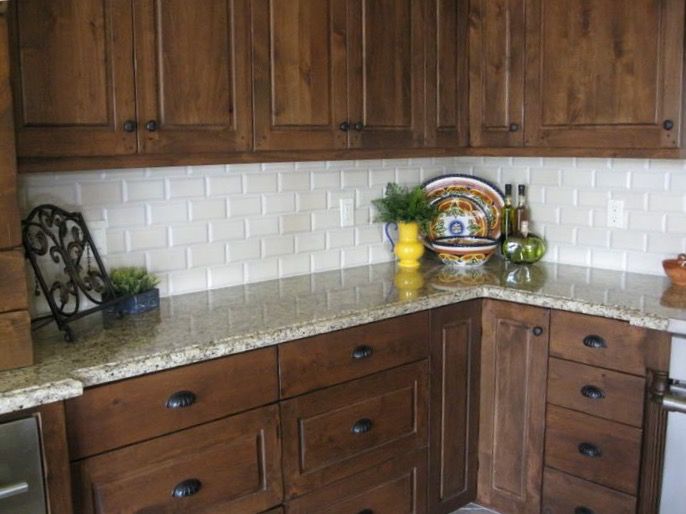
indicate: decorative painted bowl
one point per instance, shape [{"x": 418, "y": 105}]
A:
[
  {"x": 676, "y": 270},
  {"x": 464, "y": 251}
]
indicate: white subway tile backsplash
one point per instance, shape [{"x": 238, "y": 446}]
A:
[{"x": 215, "y": 226}]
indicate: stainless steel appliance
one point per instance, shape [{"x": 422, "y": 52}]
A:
[{"x": 22, "y": 489}]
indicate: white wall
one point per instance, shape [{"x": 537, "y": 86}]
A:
[{"x": 213, "y": 226}]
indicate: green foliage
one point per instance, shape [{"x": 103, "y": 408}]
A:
[
  {"x": 406, "y": 205},
  {"x": 130, "y": 281}
]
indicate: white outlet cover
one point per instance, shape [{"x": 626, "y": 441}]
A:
[{"x": 615, "y": 214}]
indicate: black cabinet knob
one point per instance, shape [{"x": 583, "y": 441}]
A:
[
  {"x": 362, "y": 352},
  {"x": 592, "y": 392},
  {"x": 181, "y": 400},
  {"x": 366, "y": 511},
  {"x": 583, "y": 510},
  {"x": 362, "y": 426},
  {"x": 344, "y": 126},
  {"x": 589, "y": 450},
  {"x": 538, "y": 331},
  {"x": 187, "y": 488},
  {"x": 130, "y": 126},
  {"x": 595, "y": 342},
  {"x": 514, "y": 127},
  {"x": 359, "y": 126},
  {"x": 151, "y": 126},
  {"x": 668, "y": 124}
]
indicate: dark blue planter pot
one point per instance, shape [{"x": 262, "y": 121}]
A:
[{"x": 138, "y": 304}]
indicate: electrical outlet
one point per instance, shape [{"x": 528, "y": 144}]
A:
[
  {"x": 347, "y": 212},
  {"x": 615, "y": 214}
]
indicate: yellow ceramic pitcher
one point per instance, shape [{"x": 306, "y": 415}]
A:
[{"x": 408, "y": 249}]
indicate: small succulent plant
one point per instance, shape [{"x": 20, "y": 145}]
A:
[{"x": 132, "y": 280}]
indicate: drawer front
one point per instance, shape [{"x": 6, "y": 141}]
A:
[
  {"x": 394, "y": 487},
  {"x": 337, "y": 432},
  {"x": 604, "y": 342},
  {"x": 565, "y": 494},
  {"x": 133, "y": 410},
  {"x": 229, "y": 466},
  {"x": 598, "y": 450},
  {"x": 606, "y": 394},
  {"x": 337, "y": 357}
]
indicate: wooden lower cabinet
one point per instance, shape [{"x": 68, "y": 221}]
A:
[
  {"x": 394, "y": 487},
  {"x": 454, "y": 426},
  {"x": 514, "y": 360},
  {"x": 231, "y": 466}
]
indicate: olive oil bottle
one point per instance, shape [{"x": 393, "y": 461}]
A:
[
  {"x": 522, "y": 210},
  {"x": 508, "y": 213}
]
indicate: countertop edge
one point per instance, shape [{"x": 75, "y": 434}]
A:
[{"x": 35, "y": 396}]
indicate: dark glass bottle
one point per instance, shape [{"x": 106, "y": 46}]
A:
[{"x": 522, "y": 210}]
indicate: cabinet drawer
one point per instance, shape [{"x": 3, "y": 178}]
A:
[
  {"x": 594, "y": 449},
  {"x": 340, "y": 431},
  {"x": 596, "y": 391},
  {"x": 337, "y": 357},
  {"x": 565, "y": 494},
  {"x": 604, "y": 342},
  {"x": 229, "y": 466},
  {"x": 133, "y": 410},
  {"x": 394, "y": 487}
]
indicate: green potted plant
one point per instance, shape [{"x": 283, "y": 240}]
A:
[
  {"x": 137, "y": 288},
  {"x": 411, "y": 211}
]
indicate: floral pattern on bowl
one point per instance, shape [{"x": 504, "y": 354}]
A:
[
  {"x": 459, "y": 216},
  {"x": 464, "y": 251}
]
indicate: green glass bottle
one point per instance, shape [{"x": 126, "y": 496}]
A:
[
  {"x": 524, "y": 248},
  {"x": 508, "y": 213}
]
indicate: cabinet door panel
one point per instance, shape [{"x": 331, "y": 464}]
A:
[
  {"x": 604, "y": 74},
  {"x": 300, "y": 74},
  {"x": 73, "y": 77},
  {"x": 387, "y": 73},
  {"x": 447, "y": 81},
  {"x": 455, "y": 355},
  {"x": 496, "y": 72},
  {"x": 193, "y": 75},
  {"x": 512, "y": 419}
]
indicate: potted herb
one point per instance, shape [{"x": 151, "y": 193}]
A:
[
  {"x": 411, "y": 211},
  {"x": 138, "y": 289}
]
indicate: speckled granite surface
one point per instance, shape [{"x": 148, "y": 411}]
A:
[{"x": 201, "y": 326}]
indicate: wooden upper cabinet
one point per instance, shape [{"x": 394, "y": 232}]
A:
[
  {"x": 496, "y": 72},
  {"x": 193, "y": 75},
  {"x": 605, "y": 74},
  {"x": 447, "y": 84},
  {"x": 300, "y": 83},
  {"x": 73, "y": 77},
  {"x": 514, "y": 360},
  {"x": 387, "y": 73}
]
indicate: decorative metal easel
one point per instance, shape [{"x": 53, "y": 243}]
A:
[{"x": 54, "y": 236}]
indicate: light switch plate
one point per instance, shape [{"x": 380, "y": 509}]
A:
[{"x": 347, "y": 206}]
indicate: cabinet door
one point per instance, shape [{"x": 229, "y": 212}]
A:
[
  {"x": 514, "y": 359},
  {"x": 387, "y": 73},
  {"x": 447, "y": 81},
  {"x": 454, "y": 409},
  {"x": 193, "y": 75},
  {"x": 73, "y": 77},
  {"x": 605, "y": 74},
  {"x": 496, "y": 72},
  {"x": 299, "y": 62}
]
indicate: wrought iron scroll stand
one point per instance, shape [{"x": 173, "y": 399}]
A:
[{"x": 51, "y": 234}]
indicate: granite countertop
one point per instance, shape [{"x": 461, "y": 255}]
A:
[{"x": 201, "y": 326}]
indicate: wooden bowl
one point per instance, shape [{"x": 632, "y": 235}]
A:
[{"x": 676, "y": 270}]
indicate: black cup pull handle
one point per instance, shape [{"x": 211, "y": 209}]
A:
[
  {"x": 366, "y": 511},
  {"x": 151, "y": 126},
  {"x": 130, "y": 126},
  {"x": 362, "y": 426},
  {"x": 344, "y": 126},
  {"x": 583, "y": 510},
  {"x": 362, "y": 352},
  {"x": 538, "y": 331},
  {"x": 592, "y": 392},
  {"x": 589, "y": 450},
  {"x": 595, "y": 342},
  {"x": 187, "y": 488},
  {"x": 181, "y": 400}
]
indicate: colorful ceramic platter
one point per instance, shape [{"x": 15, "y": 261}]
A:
[
  {"x": 459, "y": 215},
  {"x": 482, "y": 193}
]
